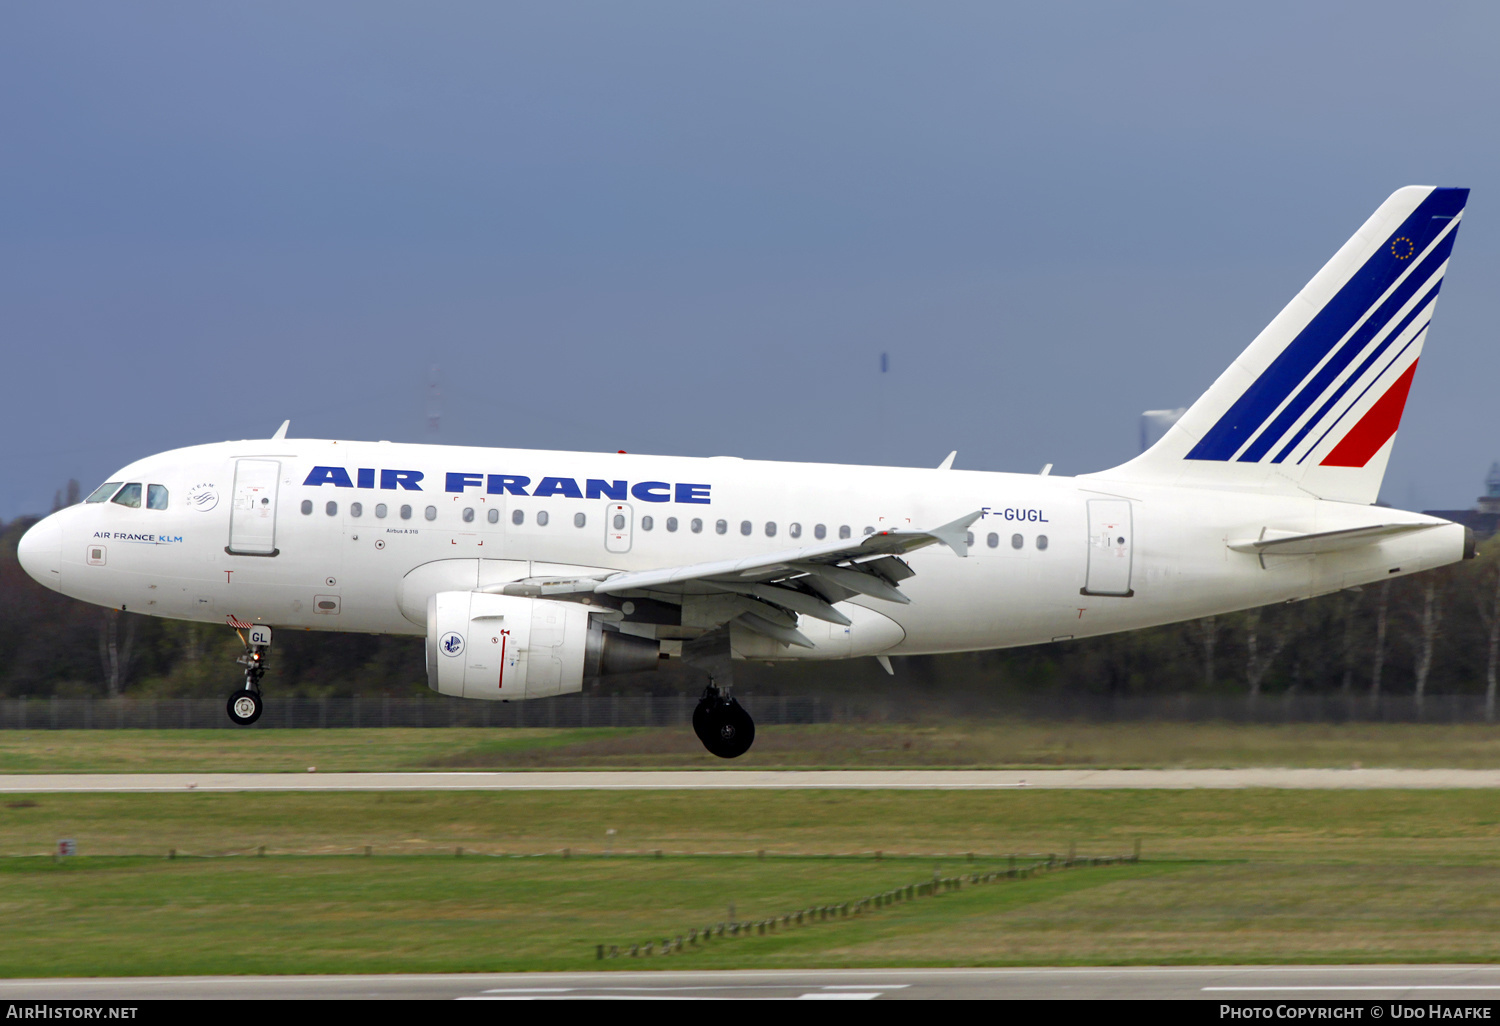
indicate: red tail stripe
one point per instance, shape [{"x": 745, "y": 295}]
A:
[{"x": 1375, "y": 428}]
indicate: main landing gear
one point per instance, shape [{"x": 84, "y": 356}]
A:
[
  {"x": 722, "y": 724},
  {"x": 246, "y": 704}
]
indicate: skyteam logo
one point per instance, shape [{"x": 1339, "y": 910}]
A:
[
  {"x": 451, "y": 643},
  {"x": 202, "y": 497},
  {"x": 1336, "y": 390}
]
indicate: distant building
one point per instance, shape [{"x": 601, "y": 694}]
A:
[
  {"x": 1154, "y": 424},
  {"x": 1484, "y": 518},
  {"x": 1489, "y": 502}
]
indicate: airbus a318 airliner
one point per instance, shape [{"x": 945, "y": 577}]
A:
[{"x": 532, "y": 572}]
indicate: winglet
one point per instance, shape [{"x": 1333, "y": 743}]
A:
[
  {"x": 947, "y": 464},
  {"x": 956, "y": 534},
  {"x": 281, "y": 431}
]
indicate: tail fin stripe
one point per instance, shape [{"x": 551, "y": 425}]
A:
[
  {"x": 1375, "y": 428},
  {"x": 1423, "y": 305},
  {"x": 1430, "y": 269},
  {"x": 1327, "y": 328},
  {"x": 1362, "y": 393}
]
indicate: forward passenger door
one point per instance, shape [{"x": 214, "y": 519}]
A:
[{"x": 252, "y": 517}]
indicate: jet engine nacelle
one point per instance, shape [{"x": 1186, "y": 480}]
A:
[{"x": 507, "y": 647}]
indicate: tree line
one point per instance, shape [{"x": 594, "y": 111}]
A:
[{"x": 1433, "y": 633}]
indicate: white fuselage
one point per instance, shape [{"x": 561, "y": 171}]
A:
[{"x": 343, "y": 567}]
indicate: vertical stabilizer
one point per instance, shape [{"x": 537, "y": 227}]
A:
[{"x": 1313, "y": 404}]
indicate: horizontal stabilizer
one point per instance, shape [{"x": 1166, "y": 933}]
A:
[{"x": 1322, "y": 541}]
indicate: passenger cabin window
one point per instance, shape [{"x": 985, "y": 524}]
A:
[
  {"x": 542, "y": 517},
  {"x": 130, "y": 496},
  {"x": 493, "y": 516},
  {"x": 671, "y": 523},
  {"x": 844, "y": 531},
  {"x": 869, "y": 531},
  {"x": 356, "y": 510},
  {"x": 794, "y": 529},
  {"x": 969, "y": 537},
  {"x": 1016, "y": 541},
  {"x": 405, "y": 512},
  {"x": 156, "y": 497},
  {"x": 306, "y": 507},
  {"x": 696, "y": 526},
  {"x": 380, "y": 511},
  {"x": 820, "y": 532},
  {"x": 992, "y": 540},
  {"x": 468, "y": 514},
  {"x": 646, "y": 523},
  {"x": 746, "y": 527},
  {"x": 619, "y": 522},
  {"x": 517, "y": 517},
  {"x": 103, "y": 492},
  {"x": 579, "y": 519},
  {"x": 770, "y": 528},
  {"x": 721, "y": 526},
  {"x": 1041, "y": 542},
  {"x": 430, "y": 512},
  {"x": 331, "y": 508}
]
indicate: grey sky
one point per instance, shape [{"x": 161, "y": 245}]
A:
[{"x": 692, "y": 228}]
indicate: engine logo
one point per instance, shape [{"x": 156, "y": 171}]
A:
[{"x": 452, "y": 643}]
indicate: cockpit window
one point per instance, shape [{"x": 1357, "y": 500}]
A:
[
  {"x": 103, "y": 492},
  {"x": 156, "y": 497},
  {"x": 130, "y": 495}
]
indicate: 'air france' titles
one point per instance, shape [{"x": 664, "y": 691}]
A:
[{"x": 515, "y": 484}]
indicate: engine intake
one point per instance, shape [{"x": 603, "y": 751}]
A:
[{"x": 508, "y": 647}]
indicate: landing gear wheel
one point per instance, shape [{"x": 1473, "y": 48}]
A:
[
  {"x": 245, "y": 707},
  {"x": 701, "y": 716},
  {"x": 724, "y": 727}
]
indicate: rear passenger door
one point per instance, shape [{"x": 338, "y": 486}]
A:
[{"x": 1110, "y": 548}]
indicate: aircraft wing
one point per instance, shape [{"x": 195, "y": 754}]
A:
[{"x": 774, "y": 587}]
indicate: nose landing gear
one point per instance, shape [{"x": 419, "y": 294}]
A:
[
  {"x": 722, "y": 724},
  {"x": 245, "y": 707},
  {"x": 246, "y": 704}
]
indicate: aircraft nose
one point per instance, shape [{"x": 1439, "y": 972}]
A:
[{"x": 40, "y": 552}]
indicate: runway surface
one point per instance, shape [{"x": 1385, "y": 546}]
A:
[
  {"x": 613, "y": 780},
  {"x": 1479, "y": 984}
]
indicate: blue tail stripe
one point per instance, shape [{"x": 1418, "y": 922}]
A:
[
  {"x": 1424, "y": 305},
  {"x": 1350, "y": 350},
  {"x": 1326, "y": 329}
]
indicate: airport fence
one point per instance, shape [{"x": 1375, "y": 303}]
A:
[{"x": 595, "y": 710}]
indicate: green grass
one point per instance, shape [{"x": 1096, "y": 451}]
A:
[
  {"x": 968, "y": 744},
  {"x": 1227, "y": 876},
  {"x": 1266, "y": 825},
  {"x": 412, "y": 914}
]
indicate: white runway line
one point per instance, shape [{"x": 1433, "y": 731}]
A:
[
  {"x": 1041, "y": 982},
  {"x": 1388, "y": 986},
  {"x": 712, "y": 992},
  {"x": 669, "y": 780}
]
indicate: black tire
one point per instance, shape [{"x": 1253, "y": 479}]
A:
[
  {"x": 730, "y": 731},
  {"x": 702, "y": 715},
  {"x": 245, "y": 706}
]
